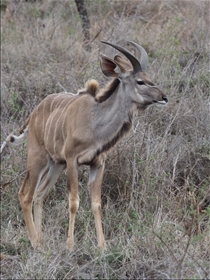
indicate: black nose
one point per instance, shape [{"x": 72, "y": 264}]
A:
[{"x": 165, "y": 99}]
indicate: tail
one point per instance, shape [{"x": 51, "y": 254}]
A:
[
  {"x": 91, "y": 87},
  {"x": 16, "y": 140}
]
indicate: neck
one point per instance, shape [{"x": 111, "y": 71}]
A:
[{"x": 113, "y": 118}]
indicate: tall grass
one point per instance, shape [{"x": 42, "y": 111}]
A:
[{"x": 155, "y": 189}]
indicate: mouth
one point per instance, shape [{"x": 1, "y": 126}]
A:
[{"x": 162, "y": 102}]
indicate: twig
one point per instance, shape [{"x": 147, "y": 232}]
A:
[
  {"x": 181, "y": 260},
  {"x": 96, "y": 36}
]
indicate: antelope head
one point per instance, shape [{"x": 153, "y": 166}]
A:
[{"x": 143, "y": 91}]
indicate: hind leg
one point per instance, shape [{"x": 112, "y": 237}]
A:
[
  {"x": 48, "y": 179},
  {"x": 36, "y": 164}
]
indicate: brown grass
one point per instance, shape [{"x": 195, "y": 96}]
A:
[{"x": 155, "y": 193}]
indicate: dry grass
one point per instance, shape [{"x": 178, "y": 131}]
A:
[{"x": 156, "y": 209}]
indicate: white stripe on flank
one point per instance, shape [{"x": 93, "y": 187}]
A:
[
  {"x": 61, "y": 115},
  {"x": 36, "y": 118},
  {"x": 63, "y": 134},
  {"x": 51, "y": 109},
  {"x": 52, "y": 118},
  {"x": 43, "y": 118}
]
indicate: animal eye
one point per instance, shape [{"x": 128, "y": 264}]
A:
[{"x": 140, "y": 82}]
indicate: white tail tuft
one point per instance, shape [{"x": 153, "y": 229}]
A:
[{"x": 15, "y": 140}]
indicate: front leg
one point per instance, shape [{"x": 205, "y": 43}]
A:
[
  {"x": 95, "y": 181},
  {"x": 72, "y": 184}
]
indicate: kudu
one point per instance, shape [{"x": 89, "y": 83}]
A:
[{"x": 68, "y": 130}]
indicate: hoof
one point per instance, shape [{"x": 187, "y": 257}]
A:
[
  {"x": 102, "y": 246},
  {"x": 36, "y": 244},
  {"x": 70, "y": 245}
]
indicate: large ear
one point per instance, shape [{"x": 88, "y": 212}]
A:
[
  {"x": 134, "y": 61},
  {"x": 123, "y": 62},
  {"x": 109, "y": 67}
]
